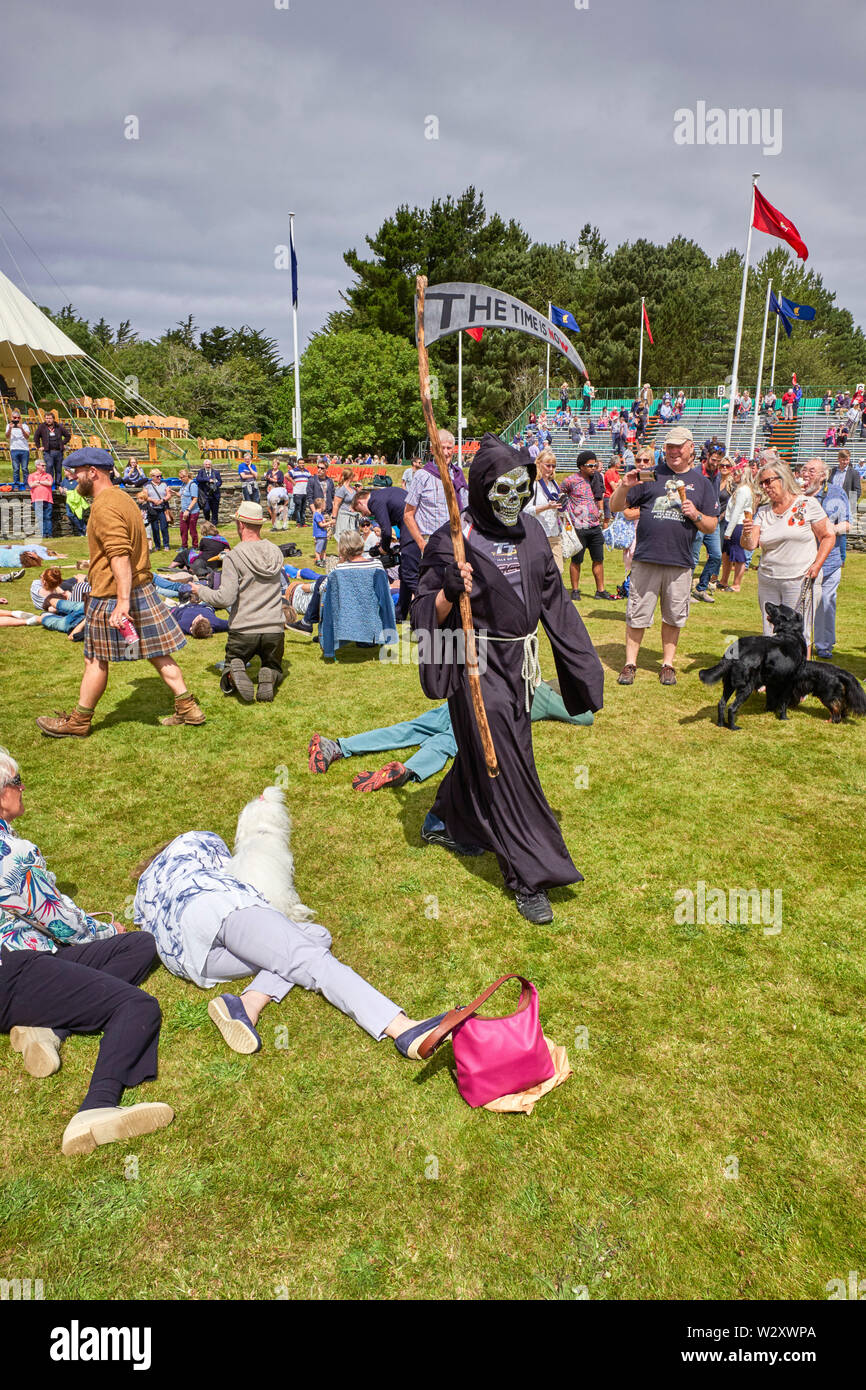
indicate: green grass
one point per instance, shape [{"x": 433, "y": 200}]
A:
[{"x": 301, "y": 1172}]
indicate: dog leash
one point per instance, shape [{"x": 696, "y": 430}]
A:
[{"x": 807, "y": 598}]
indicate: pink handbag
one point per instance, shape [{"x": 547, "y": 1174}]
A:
[{"x": 495, "y": 1056}]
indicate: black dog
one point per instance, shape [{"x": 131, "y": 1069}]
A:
[
  {"x": 750, "y": 662},
  {"x": 839, "y": 691}
]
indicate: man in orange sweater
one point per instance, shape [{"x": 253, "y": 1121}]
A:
[{"x": 124, "y": 607}]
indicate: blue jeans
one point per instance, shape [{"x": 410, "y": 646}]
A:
[
  {"x": 172, "y": 586},
  {"x": 67, "y": 617},
  {"x": 159, "y": 527},
  {"x": 79, "y": 525},
  {"x": 714, "y": 557},
  {"x": 20, "y": 465},
  {"x": 825, "y": 614},
  {"x": 43, "y": 512}
]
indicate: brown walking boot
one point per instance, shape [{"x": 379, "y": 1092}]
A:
[
  {"x": 186, "y": 711},
  {"x": 74, "y": 725}
]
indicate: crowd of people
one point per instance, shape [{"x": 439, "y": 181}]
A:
[{"x": 688, "y": 520}]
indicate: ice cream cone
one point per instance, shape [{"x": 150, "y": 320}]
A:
[{"x": 681, "y": 489}]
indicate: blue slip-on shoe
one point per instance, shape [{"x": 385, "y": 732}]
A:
[
  {"x": 408, "y": 1043},
  {"x": 433, "y": 832},
  {"x": 230, "y": 1017}
]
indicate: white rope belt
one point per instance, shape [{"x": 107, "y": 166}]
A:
[{"x": 530, "y": 671}]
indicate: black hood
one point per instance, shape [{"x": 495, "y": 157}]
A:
[{"x": 492, "y": 460}]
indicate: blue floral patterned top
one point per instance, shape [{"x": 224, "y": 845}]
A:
[{"x": 34, "y": 916}]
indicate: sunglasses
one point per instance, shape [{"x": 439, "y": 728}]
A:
[
  {"x": 766, "y": 481},
  {"x": 15, "y": 781}
]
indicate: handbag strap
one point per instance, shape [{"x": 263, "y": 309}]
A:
[{"x": 456, "y": 1016}]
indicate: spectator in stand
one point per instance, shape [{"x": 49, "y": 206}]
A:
[
  {"x": 546, "y": 503},
  {"x": 710, "y": 539},
  {"x": 158, "y": 496},
  {"x": 133, "y": 477},
  {"x": 321, "y": 486},
  {"x": 769, "y": 401},
  {"x": 641, "y": 420},
  {"x": 679, "y": 405},
  {"x": 827, "y": 402},
  {"x": 18, "y": 439},
  {"x": 816, "y": 483},
  {"x": 617, "y": 433},
  {"x": 846, "y": 477},
  {"x": 830, "y": 437},
  {"x": 189, "y": 510},
  {"x": 564, "y": 394},
  {"x": 788, "y": 404},
  {"x": 587, "y": 393},
  {"x": 210, "y": 483},
  {"x": 77, "y": 508},
  {"x": 52, "y": 437},
  {"x": 666, "y": 410},
  {"x": 674, "y": 505},
  {"x": 741, "y": 500},
  {"x": 576, "y": 432},
  {"x": 798, "y": 393},
  {"x": 582, "y": 508},
  {"x": 771, "y": 417},
  {"x": 248, "y": 474},
  {"x": 300, "y": 483},
  {"x": 41, "y": 495},
  {"x": 794, "y": 536},
  {"x": 842, "y": 433},
  {"x": 603, "y": 422}
]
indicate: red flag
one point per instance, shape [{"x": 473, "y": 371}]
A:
[
  {"x": 775, "y": 223},
  {"x": 648, "y": 329},
  {"x": 476, "y": 333}
]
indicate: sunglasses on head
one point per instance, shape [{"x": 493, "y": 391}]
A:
[{"x": 15, "y": 781}]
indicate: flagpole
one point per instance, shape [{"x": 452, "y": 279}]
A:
[
  {"x": 295, "y": 342},
  {"x": 730, "y": 425},
  {"x": 640, "y": 355},
  {"x": 756, "y": 406},
  {"x": 547, "y": 375},
  {"x": 460, "y": 399},
  {"x": 775, "y": 345}
]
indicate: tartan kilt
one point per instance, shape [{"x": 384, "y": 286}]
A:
[{"x": 158, "y": 633}]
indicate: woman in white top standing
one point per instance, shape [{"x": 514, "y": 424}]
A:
[
  {"x": 741, "y": 503},
  {"x": 18, "y": 439},
  {"x": 795, "y": 537},
  {"x": 545, "y": 503}
]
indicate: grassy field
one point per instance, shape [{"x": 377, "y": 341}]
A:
[{"x": 709, "y": 1143}]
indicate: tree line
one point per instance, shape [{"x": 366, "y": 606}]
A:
[{"x": 359, "y": 382}]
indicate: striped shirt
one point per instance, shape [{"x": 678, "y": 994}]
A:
[{"x": 427, "y": 495}]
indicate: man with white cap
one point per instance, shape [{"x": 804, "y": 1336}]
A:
[
  {"x": 250, "y": 589},
  {"x": 675, "y": 506}
]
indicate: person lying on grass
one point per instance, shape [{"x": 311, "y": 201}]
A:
[{"x": 211, "y": 928}]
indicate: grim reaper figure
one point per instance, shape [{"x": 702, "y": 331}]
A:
[{"x": 515, "y": 584}]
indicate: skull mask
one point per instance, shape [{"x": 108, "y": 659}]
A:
[{"x": 509, "y": 494}]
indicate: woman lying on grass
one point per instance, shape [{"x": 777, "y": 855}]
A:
[{"x": 210, "y": 928}]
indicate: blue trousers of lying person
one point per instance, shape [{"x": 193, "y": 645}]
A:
[{"x": 433, "y": 734}]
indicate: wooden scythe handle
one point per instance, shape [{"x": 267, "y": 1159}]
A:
[{"x": 456, "y": 538}]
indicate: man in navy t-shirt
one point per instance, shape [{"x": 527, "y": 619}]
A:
[{"x": 675, "y": 506}]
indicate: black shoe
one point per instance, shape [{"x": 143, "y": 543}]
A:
[
  {"x": 433, "y": 835},
  {"x": 535, "y": 907},
  {"x": 241, "y": 681},
  {"x": 301, "y": 627},
  {"x": 575, "y": 594},
  {"x": 602, "y": 593}
]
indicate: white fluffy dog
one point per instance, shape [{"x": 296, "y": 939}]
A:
[{"x": 262, "y": 856}]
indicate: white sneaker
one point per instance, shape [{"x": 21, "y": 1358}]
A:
[
  {"x": 39, "y": 1048},
  {"x": 109, "y": 1123}
]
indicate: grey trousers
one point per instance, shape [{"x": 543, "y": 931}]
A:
[{"x": 280, "y": 953}]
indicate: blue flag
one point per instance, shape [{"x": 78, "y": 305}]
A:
[
  {"x": 797, "y": 312},
  {"x": 776, "y": 308},
  {"x": 294, "y": 266},
  {"x": 564, "y": 319}
]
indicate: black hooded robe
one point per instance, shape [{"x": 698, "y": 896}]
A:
[{"x": 507, "y": 814}]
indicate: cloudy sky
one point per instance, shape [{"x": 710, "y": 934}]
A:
[{"x": 247, "y": 109}]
